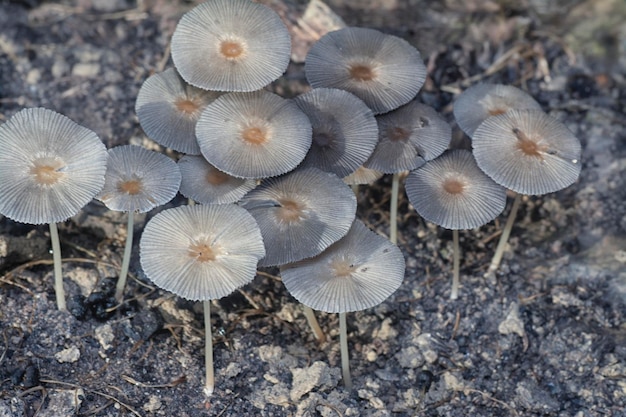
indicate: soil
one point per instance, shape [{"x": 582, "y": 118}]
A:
[{"x": 547, "y": 337}]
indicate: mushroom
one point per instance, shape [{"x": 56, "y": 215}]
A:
[
  {"x": 452, "y": 192},
  {"x": 137, "y": 180},
  {"x": 357, "y": 272},
  {"x": 231, "y": 45},
  {"x": 201, "y": 253},
  {"x": 50, "y": 168},
  {"x": 528, "y": 152},
  {"x": 253, "y": 135},
  {"x": 382, "y": 70},
  {"x": 168, "y": 109}
]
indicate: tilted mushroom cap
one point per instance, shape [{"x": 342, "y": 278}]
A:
[
  {"x": 253, "y": 135},
  {"x": 528, "y": 152},
  {"x": 452, "y": 192},
  {"x": 206, "y": 184},
  {"x": 363, "y": 176},
  {"x": 168, "y": 109},
  {"x": 344, "y": 130},
  {"x": 359, "y": 271},
  {"x": 408, "y": 137},
  {"x": 50, "y": 167},
  {"x": 300, "y": 214},
  {"x": 382, "y": 70},
  {"x": 201, "y": 252},
  {"x": 231, "y": 45},
  {"x": 481, "y": 101},
  {"x": 138, "y": 179}
]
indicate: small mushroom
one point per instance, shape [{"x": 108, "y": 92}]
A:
[
  {"x": 201, "y": 253},
  {"x": 137, "y": 180},
  {"x": 382, "y": 70},
  {"x": 231, "y": 45},
  {"x": 50, "y": 168}
]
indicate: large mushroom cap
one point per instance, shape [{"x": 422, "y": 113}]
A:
[
  {"x": 481, "y": 101},
  {"x": 168, "y": 109},
  {"x": 231, "y": 45},
  {"x": 408, "y": 137},
  {"x": 253, "y": 135},
  {"x": 359, "y": 271},
  {"x": 50, "y": 167},
  {"x": 382, "y": 70},
  {"x": 452, "y": 192},
  {"x": 344, "y": 130},
  {"x": 138, "y": 179},
  {"x": 300, "y": 214},
  {"x": 201, "y": 252},
  {"x": 528, "y": 152}
]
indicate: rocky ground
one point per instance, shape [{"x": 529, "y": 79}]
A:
[{"x": 547, "y": 337}]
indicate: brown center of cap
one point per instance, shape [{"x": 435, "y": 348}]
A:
[
  {"x": 47, "y": 171},
  {"x": 527, "y": 145},
  {"x": 132, "y": 187},
  {"x": 398, "y": 134},
  {"x": 496, "y": 111},
  {"x": 202, "y": 251},
  {"x": 360, "y": 72},
  {"x": 187, "y": 106},
  {"x": 323, "y": 139},
  {"x": 254, "y": 135},
  {"x": 290, "y": 211},
  {"x": 342, "y": 267},
  {"x": 453, "y": 186},
  {"x": 231, "y": 49}
]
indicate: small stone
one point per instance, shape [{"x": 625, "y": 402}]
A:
[
  {"x": 386, "y": 332},
  {"x": 316, "y": 375},
  {"x": 87, "y": 70},
  {"x": 152, "y": 405},
  {"x": 62, "y": 403},
  {"x": 512, "y": 322},
  {"x": 33, "y": 76},
  {"x": 425, "y": 344},
  {"x": 410, "y": 357},
  {"x": 105, "y": 336},
  {"x": 69, "y": 355}
]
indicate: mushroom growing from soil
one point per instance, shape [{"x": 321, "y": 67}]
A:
[
  {"x": 168, "y": 109},
  {"x": 50, "y": 168},
  {"x": 528, "y": 152},
  {"x": 452, "y": 192},
  {"x": 137, "y": 180},
  {"x": 382, "y": 70},
  {"x": 231, "y": 45},
  {"x": 357, "y": 272},
  {"x": 202, "y": 253},
  {"x": 253, "y": 135}
]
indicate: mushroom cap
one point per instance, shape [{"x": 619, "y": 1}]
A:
[
  {"x": 363, "y": 175},
  {"x": 168, "y": 109},
  {"x": 481, "y": 101},
  {"x": 452, "y": 192},
  {"x": 138, "y": 179},
  {"x": 300, "y": 214},
  {"x": 231, "y": 45},
  {"x": 382, "y": 70},
  {"x": 359, "y": 271},
  {"x": 201, "y": 252},
  {"x": 408, "y": 137},
  {"x": 50, "y": 167},
  {"x": 344, "y": 130},
  {"x": 528, "y": 152},
  {"x": 253, "y": 135},
  {"x": 206, "y": 184}
]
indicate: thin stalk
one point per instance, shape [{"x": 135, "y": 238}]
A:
[
  {"x": 454, "y": 294},
  {"x": 506, "y": 232},
  {"x": 208, "y": 350},
  {"x": 393, "y": 209},
  {"x": 58, "y": 271},
  {"x": 345, "y": 358},
  {"x": 313, "y": 324},
  {"x": 121, "y": 282}
]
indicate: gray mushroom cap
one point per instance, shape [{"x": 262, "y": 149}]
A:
[
  {"x": 408, "y": 137},
  {"x": 452, "y": 192},
  {"x": 344, "y": 130},
  {"x": 300, "y": 214},
  {"x": 363, "y": 176},
  {"x": 231, "y": 45},
  {"x": 168, "y": 109},
  {"x": 528, "y": 151},
  {"x": 50, "y": 167},
  {"x": 481, "y": 101},
  {"x": 253, "y": 135},
  {"x": 201, "y": 252},
  {"x": 359, "y": 271},
  {"x": 138, "y": 179},
  {"x": 382, "y": 70}
]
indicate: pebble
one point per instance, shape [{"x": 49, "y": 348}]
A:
[
  {"x": 305, "y": 380},
  {"x": 69, "y": 355},
  {"x": 105, "y": 336},
  {"x": 62, "y": 403}
]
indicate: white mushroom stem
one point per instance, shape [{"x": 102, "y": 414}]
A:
[
  {"x": 345, "y": 357},
  {"x": 393, "y": 210},
  {"x": 454, "y": 294},
  {"x": 208, "y": 350},
  {"x": 504, "y": 237},
  {"x": 58, "y": 271},
  {"x": 121, "y": 282},
  {"x": 313, "y": 324}
]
